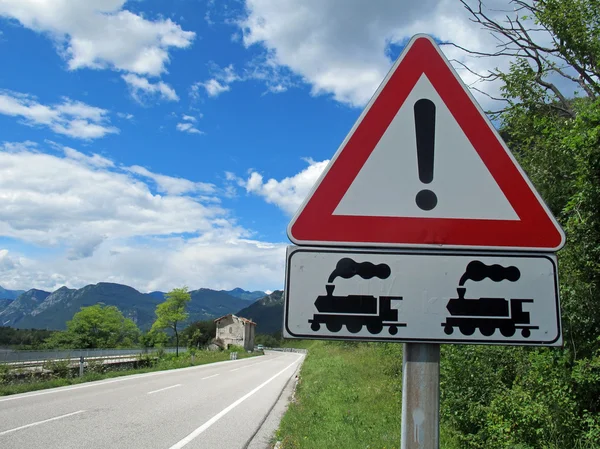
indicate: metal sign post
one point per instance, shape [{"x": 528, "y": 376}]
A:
[
  {"x": 426, "y": 231},
  {"x": 420, "y": 396}
]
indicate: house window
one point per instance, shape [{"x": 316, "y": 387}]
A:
[{"x": 231, "y": 330}]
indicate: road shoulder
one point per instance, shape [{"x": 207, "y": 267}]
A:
[{"x": 262, "y": 438}]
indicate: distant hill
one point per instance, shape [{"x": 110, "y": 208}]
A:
[
  {"x": 246, "y": 295},
  {"x": 207, "y": 304},
  {"x": 45, "y": 310},
  {"x": 4, "y": 303},
  {"x": 267, "y": 313},
  {"x": 9, "y": 294},
  {"x": 22, "y": 307}
]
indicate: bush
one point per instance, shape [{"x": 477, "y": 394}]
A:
[
  {"x": 59, "y": 368},
  {"x": 4, "y": 374},
  {"x": 95, "y": 366},
  {"x": 235, "y": 348}
]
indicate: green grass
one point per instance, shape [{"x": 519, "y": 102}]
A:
[
  {"x": 346, "y": 398},
  {"x": 167, "y": 362},
  {"x": 299, "y": 344},
  {"x": 349, "y": 396}
]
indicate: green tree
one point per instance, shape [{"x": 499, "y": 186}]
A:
[
  {"x": 199, "y": 333},
  {"x": 171, "y": 313},
  {"x": 96, "y": 326},
  {"x": 543, "y": 397}
]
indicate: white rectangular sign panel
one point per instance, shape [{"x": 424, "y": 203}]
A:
[{"x": 425, "y": 296}]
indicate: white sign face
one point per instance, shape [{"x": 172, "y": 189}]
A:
[
  {"x": 385, "y": 185},
  {"x": 443, "y": 297},
  {"x": 423, "y": 166}
]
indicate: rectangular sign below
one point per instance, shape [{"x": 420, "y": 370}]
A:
[{"x": 422, "y": 296}]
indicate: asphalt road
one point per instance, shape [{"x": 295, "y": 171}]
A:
[{"x": 216, "y": 406}]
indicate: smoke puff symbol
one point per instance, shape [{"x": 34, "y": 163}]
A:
[
  {"x": 478, "y": 271},
  {"x": 347, "y": 268}
]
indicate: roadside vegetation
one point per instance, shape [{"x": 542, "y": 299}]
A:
[
  {"x": 348, "y": 395},
  {"x": 104, "y": 327},
  {"x": 60, "y": 374},
  {"x": 492, "y": 396}
]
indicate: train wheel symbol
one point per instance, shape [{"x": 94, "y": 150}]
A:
[
  {"x": 375, "y": 328},
  {"x": 354, "y": 326},
  {"x": 315, "y": 326},
  {"x": 334, "y": 326},
  {"x": 487, "y": 330},
  {"x": 467, "y": 329}
]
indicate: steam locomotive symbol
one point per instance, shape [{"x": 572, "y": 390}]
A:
[
  {"x": 488, "y": 314},
  {"x": 356, "y": 311}
]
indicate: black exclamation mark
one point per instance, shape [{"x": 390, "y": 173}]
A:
[{"x": 425, "y": 131}]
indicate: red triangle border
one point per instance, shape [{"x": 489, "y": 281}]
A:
[{"x": 315, "y": 224}]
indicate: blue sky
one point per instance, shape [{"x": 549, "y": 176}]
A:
[{"x": 160, "y": 144}]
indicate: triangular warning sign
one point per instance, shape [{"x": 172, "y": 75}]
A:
[{"x": 424, "y": 167}]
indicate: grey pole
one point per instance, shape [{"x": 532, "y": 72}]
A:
[
  {"x": 420, "y": 396},
  {"x": 81, "y": 366}
]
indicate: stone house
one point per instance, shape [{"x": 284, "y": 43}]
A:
[{"x": 235, "y": 330}]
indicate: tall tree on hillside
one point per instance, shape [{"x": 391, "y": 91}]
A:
[
  {"x": 555, "y": 45},
  {"x": 171, "y": 313},
  {"x": 96, "y": 326},
  {"x": 542, "y": 397},
  {"x": 199, "y": 333}
]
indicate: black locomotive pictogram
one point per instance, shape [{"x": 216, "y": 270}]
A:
[
  {"x": 488, "y": 314},
  {"x": 356, "y": 311}
]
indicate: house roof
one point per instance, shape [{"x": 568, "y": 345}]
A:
[{"x": 245, "y": 320}]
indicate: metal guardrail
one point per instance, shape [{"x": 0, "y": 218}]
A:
[
  {"x": 73, "y": 361},
  {"x": 15, "y": 356},
  {"x": 301, "y": 351}
]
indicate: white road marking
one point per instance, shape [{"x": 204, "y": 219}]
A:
[
  {"x": 214, "y": 375},
  {"x": 163, "y": 389},
  {"x": 41, "y": 422},
  {"x": 252, "y": 364},
  {"x": 120, "y": 379},
  {"x": 192, "y": 436}
]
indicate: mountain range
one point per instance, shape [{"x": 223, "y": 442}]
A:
[
  {"x": 267, "y": 313},
  {"x": 51, "y": 310}
]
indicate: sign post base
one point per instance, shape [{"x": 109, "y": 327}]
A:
[{"x": 420, "y": 396}]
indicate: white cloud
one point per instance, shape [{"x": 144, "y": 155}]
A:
[
  {"x": 84, "y": 246},
  {"x": 218, "y": 261},
  {"x": 188, "y": 128},
  {"x": 213, "y": 87},
  {"x": 219, "y": 83},
  {"x": 101, "y": 34},
  {"x": 260, "y": 68},
  {"x": 341, "y": 47},
  {"x": 93, "y": 161},
  {"x": 47, "y": 199},
  {"x": 105, "y": 224},
  {"x": 7, "y": 262},
  {"x": 141, "y": 87},
  {"x": 172, "y": 185},
  {"x": 125, "y": 116},
  {"x": 288, "y": 193},
  {"x": 70, "y": 118}
]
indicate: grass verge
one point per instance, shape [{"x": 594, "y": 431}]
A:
[
  {"x": 348, "y": 396},
  {"x": 10, "y": 386}
]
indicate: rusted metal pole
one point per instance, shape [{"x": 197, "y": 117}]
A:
[{"x": 421, "y": 396}]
